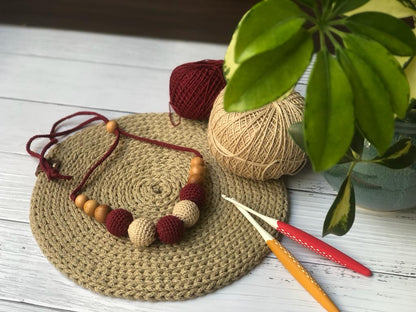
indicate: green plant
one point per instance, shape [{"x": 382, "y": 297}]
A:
[{"x": 355, "y": 91}]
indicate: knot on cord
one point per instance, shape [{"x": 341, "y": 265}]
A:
[{"x": 51, "y": 168}]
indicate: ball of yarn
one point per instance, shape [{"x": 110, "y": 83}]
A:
[
  {"x": 118, "y": 221},
  {"x": 187, "y": 211},
  {"x": 170, "y": 229},
  {"x": 194, "y": 87},
  {"x": 193, "y": 192},
  {"x": 256, "y": 144},
  {"x": 142, "y": 232}
]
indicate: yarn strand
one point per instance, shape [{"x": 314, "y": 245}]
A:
[{"x": 53, "y": 173}]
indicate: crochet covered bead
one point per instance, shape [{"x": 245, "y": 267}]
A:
[
  {"x": 142, "y": 232},
  {"x": 170, "y": 229},
  {"x": 193, "y": 192},
  {"x": 118, "y": 221},
  {"x": 187, "y": 211}
]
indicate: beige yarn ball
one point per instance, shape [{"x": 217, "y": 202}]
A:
[
  {"x": 187, "y": 211},
  {"x": 142, "y": 232},
  {"x": 256, "y": 144}
]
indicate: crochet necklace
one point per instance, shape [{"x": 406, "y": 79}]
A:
[{"x": 169, "y": 229}]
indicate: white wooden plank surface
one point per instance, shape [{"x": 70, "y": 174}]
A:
[{"x": 46, "y": 74}]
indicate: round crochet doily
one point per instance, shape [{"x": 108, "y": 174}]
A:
[{"x": 146, "y": 180}]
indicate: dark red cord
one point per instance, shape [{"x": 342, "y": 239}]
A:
[{"x": 53, "y": 173}]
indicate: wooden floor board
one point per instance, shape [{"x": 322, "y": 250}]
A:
[{"x": 47, "y": 74}]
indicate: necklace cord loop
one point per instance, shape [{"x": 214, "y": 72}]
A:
[{"x": 53, "y": 173}]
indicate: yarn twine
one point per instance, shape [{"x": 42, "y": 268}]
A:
[
  {"x": 145, "y": 180},
  {"x": 193, "y": 88},
  {"x": 256, "y": 144}
]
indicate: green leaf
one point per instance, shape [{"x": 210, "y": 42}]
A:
[
  {"x": 296, "y": 132},
  {"x": 342, "y": 6},
  {"x": 329, "y": 117},
  {"x": 400, "y": 155},
  {"x": 230, "y": 65},
  {"x": 355, "y": 150},
  {"x": 408, "y": 3},
  {"x": 391, "y": 32},
  {"x": 371, "y": 101},
  {"x": 386, "y": 67},
  {"x": 357, "y": 143},
  {"x": 267, "y": 76},
  {"x": 340, "y": 216},
  {"x": 308, "y": 3},
  {"x": 266, "y": 26}
]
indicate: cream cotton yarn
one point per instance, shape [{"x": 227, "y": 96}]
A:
[{"x": 255, "y": 144}]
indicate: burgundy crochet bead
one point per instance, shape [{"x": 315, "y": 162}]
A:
[
  {"x": 118, "y": 221},
  {"x": 193, "y": 192},
  {"x": 170, "y": 229}
]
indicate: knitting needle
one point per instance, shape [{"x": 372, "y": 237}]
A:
[
  {"x": 292, "y": 265},
  {"x": 309, "y": 241}
]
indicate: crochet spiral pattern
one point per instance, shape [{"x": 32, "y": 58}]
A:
[{"x": 204, "y": 261}]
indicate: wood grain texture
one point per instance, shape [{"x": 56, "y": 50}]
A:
[{"x": 47, "y": 74}]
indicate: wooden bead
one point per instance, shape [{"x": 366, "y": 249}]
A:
[
  {"x": 197, "y": 161},
  {"x": 197, "y": 170},
  {"x": 90, "y": 206},
  {"x": 101, "y": 212},
  {"x": 111, "y": 126},
  {"x": 80, "y": 200},
  {"x": 196, "y": 178}
]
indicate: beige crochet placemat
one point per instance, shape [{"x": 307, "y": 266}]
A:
[{"x": 146, "y": 180}]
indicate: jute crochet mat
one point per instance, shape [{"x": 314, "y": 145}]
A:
[{"x": 146, "y": 179}]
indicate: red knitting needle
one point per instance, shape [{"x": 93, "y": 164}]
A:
[{"x": 308, "y": 241}]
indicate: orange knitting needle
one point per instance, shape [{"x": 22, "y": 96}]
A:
[{"x": 292, "y": 265}]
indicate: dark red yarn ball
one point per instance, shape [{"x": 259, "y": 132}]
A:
[
  {"x": 193, "y": 192},
  {"x": 194, "y": 87},
  {"x": 170, "y": 229},
  {"x": 118, "y": 221}
]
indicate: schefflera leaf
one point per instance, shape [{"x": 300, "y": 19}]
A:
[
  {"x": 342, "y": 6},
  {"x": 269, "y": 75},
  {"x": 389, "y": 31},
  {"x": 371, "y": 100},
  {"x": 296, "y": 133},
  {"x": 400, "y": 155},
  {"x": 386, "y": 67},
  {"x": 266, "y": 26},
  {"x": 341, "y": 215},
  {"x": 329, "y": 116}
]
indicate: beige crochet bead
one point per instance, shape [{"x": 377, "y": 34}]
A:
[
  {"x": 142, "y": 232},
  {"x": 187, "y": 211}
]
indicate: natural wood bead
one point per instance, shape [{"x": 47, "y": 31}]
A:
[
  {"x": 197, "y": 161},
  {"x": 90, "y": 206},
  {"x": 101, "y": 212},
  {"x": 111, "y": 126},
  {"x": 197, "y": 170},
  {"x": 196, "y": 178},
  {"x": 80, "y": 200}
]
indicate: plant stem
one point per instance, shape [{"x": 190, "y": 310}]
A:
[
  {"x": 333, "y": 40},
  {"x": 351, "y": 167},
  {"x": 337, "y": 31}
]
